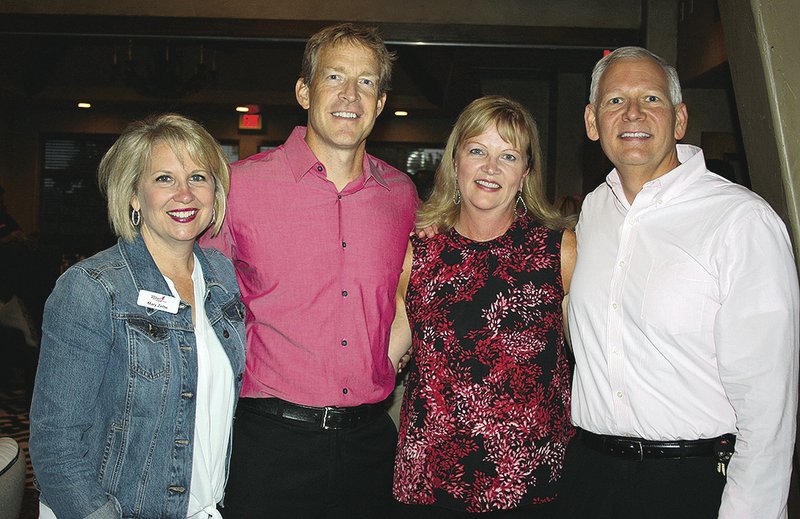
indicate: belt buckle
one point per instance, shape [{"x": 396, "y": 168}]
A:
[
  {"x": 325, "y": 416},
  {"x": 638, "y": 443}
]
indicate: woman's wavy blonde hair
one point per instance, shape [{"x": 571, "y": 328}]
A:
[
  {"x": 516, "y": 125},
  {"x": 123, "y": 165}
]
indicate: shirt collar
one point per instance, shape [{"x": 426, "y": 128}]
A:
[
  {"x": 145, "y": 273},
  {"x": 670, "y": 184},
  {"x": 141, "y": 266},
  {"x": 302, "y": 160},
  {"x": 371, "y": 169},
  {"x": 299, "y": 156}
]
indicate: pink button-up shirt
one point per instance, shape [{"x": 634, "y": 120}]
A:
[{"x": 318, "y": 270}]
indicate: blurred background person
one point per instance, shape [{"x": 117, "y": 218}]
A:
[
  {"x": 28, "y": 271},
  {"x": 10, "y": 230},
  {"x": 142, "y": 351},
  {"x": 485, "y": 418},
  {"x": 423, "y": 180}
]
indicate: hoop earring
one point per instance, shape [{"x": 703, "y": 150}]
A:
[
  {"x": 457, "y": 197},
  {"x": 136, "y": 217},
  {"x": 517, "y": 208}
]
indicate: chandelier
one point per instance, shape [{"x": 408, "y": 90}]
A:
[{"x": 165, "y": 69}]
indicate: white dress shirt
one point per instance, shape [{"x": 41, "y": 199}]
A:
[{"x": 684, "y": 321}]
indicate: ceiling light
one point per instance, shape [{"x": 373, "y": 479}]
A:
[
  {"x": 84, "y": 105},
  {"x": 242, "y": 109},
  {"x": 400, "y": 113}
]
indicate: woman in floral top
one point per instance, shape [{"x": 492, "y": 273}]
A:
[{"x": 485, "y": 418}]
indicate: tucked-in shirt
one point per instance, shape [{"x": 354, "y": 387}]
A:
[
  {"x": 318, "y": 271},
  {"x": 684, "y": 321}
]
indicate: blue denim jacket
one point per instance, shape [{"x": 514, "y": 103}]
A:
[{"x": 112, "y": 419}]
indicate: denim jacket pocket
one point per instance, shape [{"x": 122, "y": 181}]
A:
[
  {"x": 113, "y": 457},
  {"x": 149, "y": 343}
]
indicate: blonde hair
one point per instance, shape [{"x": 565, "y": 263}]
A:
[
  {"x": 516, "y": 125},
  {"x": 129, "y": 157},
  {"x": 351, "y": 34}
]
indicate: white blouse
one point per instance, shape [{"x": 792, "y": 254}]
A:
[{"x": 214, "y": 398}]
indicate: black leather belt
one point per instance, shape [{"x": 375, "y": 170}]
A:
[
  {"x": 323, "y": 417},
  {"x": 639, "y": 449}
]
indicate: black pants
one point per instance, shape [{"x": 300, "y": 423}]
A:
[
  {"x": 287, "y": 469},
  {"x": 601, "y": 486}
]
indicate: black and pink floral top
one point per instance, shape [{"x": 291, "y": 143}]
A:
[{"x": 485, "y": 418}]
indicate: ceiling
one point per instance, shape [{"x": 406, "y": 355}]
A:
[{"x": 147, "y": 64}]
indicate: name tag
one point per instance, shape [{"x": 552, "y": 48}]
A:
[{"x": 158, "y": 301}]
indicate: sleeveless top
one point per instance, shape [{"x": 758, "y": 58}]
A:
[{"x": 485, "y": 421}]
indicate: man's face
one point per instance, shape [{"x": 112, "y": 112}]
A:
[
  {"x": 342, "y": 99},
  {"x": 634, "y": 119}
]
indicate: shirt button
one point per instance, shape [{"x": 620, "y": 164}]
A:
[
  {"x": 344, "y": 391},
  {"x": 622, "y": 263},
  {"x": 619, "y": 394},
  {"x": 319, "y": 168},
  {"x": 344, "y": 244},
  {"x": 614, "y": 306},
  {"x": 225, "y": 334},
  {"x": 344, "y": 342},
  {"x": 344, "y": 293},
  {"x": 339, "y": 197}
]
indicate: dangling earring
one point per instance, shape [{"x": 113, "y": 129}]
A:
[
  {"x": 136, "y": 217},
  {"x": 457, "y": 197},
  {"x": 517, "y": 208}
]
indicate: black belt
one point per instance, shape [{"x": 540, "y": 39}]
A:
[
  {"x": 639, "y": 449},
  {"x": 323, "y": 417}
]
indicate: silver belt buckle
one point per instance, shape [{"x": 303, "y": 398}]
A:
[
  {"x": 325, "y": 416},
  {"x": 641, "y": 450}
]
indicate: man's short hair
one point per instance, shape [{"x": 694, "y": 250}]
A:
[
  {"x": 351, "y": 34},
  {"x": 623, "y": 53}
]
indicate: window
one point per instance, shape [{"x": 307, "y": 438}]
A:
[
  {"x": 72, "y": 211},
  {"x": 231, "y": 149}
]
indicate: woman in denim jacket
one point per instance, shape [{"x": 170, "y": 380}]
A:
[{"x": 142, "y": 352}]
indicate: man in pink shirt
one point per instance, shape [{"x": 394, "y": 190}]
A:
[{"x": 317, "y": 230}]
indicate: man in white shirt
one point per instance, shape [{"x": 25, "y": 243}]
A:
[{"x": 683, "y": 319}]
